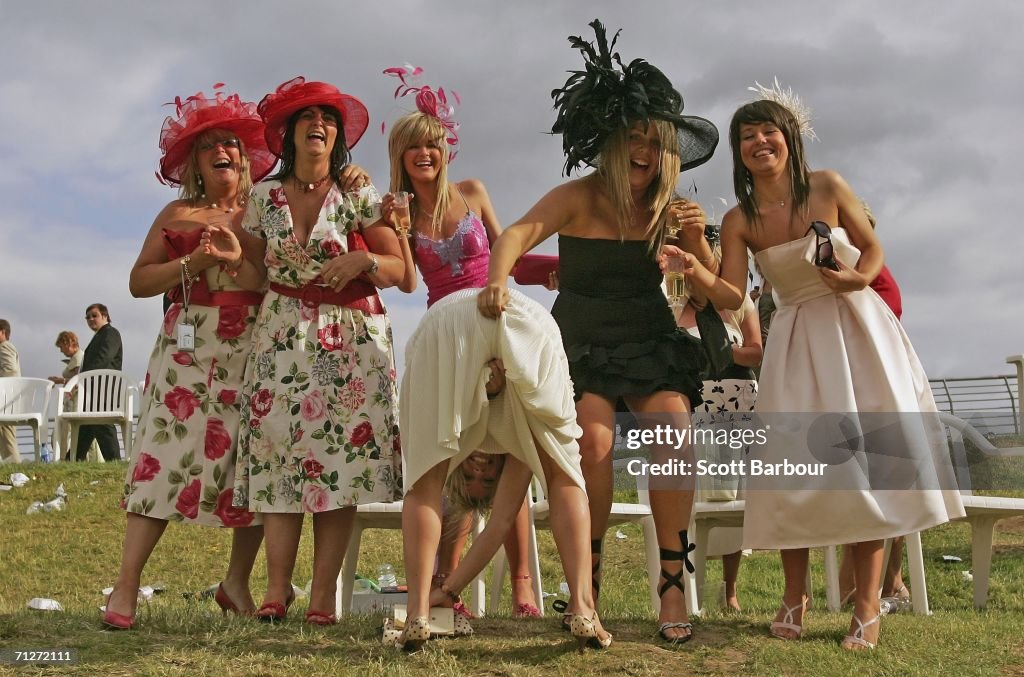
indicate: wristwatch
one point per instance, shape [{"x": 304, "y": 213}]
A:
[{"x": 373, "y": 265}]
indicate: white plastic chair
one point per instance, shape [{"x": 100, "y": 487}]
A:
[
  {"x": 982, "y": 511},
  {"x": 102, "y": 397},
  {"x": 621, "y": 513},
  {"x": 24, "y": 401},
  {"x": 385, "y": 516}
]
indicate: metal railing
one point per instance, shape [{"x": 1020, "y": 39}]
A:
[{"x": 989, "y": 403}]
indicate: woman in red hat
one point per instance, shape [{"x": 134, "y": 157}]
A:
[
  {"x": 320, "y": 403},
  {"x": 183, "y": 464}
]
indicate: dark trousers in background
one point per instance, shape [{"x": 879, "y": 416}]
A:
[{"x": 106, "y": 438}]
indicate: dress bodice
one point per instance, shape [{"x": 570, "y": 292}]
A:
[
  {"x": 179, "y": 243},
  {"x": 790, "y": 267},
  {"x": 456, "y": 262}
]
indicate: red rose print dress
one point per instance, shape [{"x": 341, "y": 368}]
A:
[
  {"x": 183, "y": 460},
  {"x": 320, "y": 406}
]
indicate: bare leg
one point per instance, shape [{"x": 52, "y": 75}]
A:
[
  {"x": 670, "y": 507},
  {"x": 517, "y": 552},
  {"x": 245, "y": 545},
  {"x": 867, "y": 568},
  {"x": 730, "y": 572},
  {"x": 282, "y": 532},
  {"x": 421, "y": 529},
  {"x": 794, "y": 569},
  {"x": 331, "y": 531},
  {"x": 892, "y": 584},
  {"x": 596, "y": 416},
  {"x": 141, "y": 534},
  {"x": 454, "y": 535}
]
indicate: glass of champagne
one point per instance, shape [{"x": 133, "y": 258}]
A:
[
  {"x": 675, "y": 282},
  {"x": 401, "y": 213}
]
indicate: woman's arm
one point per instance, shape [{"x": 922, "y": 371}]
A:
[
  {"x": 751, "y": 352},
  {"x": 862, "y": 236},
  {"x": 387, "y": 210},
  {"x": 554, "y": 212},
  {"x": 727, "y": 289},
  {"x": 153, "y": 274}
]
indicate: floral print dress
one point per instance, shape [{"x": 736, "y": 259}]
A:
[
  {"x": 183, "y": 465},
  {"x": 319, "y": 411}
]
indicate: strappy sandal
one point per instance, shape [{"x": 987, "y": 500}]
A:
[
  {"x": 561, "y": 606},
  {"x": 856, "y": 641},
  {"x": 787, "y": 621},
  {"x": 525, "y": 609},
  {"x": 676, "y": 581}
]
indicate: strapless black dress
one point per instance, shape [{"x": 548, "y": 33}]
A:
[{"x": 617, "y": 328}]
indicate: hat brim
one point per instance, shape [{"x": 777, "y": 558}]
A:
[
  {"x": 249, "y": 131},
  {"x": 697, "y": 138},
  {"x": 355, "y": 118}
]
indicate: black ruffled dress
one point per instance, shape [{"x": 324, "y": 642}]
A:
[{"x": 618, "y": 331}]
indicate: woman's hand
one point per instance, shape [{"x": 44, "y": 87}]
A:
[
  {"x": 845, "y": 279},
  {"x": 353, "y": 177},
  {"x": 492, "y": 300},
  {"x": 387, "y": 210},
  {"x": 668, "y": 251},
  {"x": 690, "y": 218},
  {"x": 339, "y": 271},
  {"x": 552, "y": 283},
  {"x": 496, "y": 381},
  {"x": 220, "y": 242}
]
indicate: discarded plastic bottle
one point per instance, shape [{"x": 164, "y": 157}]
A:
[{"x": 386, "y": 576}]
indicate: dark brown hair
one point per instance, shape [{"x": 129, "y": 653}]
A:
[
  {"x": 339, "y": 154},
  {"x": 757, "y": 113}
]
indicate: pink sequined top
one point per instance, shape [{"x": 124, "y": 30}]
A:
[{"x": 456, "y": 262}]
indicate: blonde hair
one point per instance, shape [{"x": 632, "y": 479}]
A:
[
  {"x": 407, "y": 131},
  {"x": 191, "y": 188},
  {"x": 613, "y": 167},
  {"x": 67, "y": 338}
]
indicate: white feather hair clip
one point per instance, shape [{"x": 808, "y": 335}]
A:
[{"x": 788, "y": 98}]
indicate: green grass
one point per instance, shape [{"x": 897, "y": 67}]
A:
[{"x": 70, "y": 556}]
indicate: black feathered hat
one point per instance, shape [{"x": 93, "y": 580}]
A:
[{"x": 603, "y": 99}]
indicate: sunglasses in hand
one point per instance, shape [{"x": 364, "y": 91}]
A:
[{"x": 823, "y": 253}]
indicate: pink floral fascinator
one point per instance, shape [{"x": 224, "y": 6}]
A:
[{"x": 429, "y": 102}]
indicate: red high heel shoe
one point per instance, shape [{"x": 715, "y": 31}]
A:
[
  {"x": 271, "y": 612},
  {"x": 115, "y": 621},
  {"x": 226, "y": 604},
  {"x": 320, "y": 618}
]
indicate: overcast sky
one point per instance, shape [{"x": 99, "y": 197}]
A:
[{"x": 916, "y": 103}]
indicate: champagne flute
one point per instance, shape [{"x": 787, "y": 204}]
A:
[
  {"x": 401, "y": 213},
  {"x": 675, "y": 282}
]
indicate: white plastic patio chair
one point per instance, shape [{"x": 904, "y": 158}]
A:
[
  {"x": 25, "y": 401},
  {"x": 386, "y": 516},
  {"x": 102, "y": 397}
]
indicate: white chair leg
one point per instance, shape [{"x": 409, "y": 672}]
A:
[
  {"x": 982, "y": 529},
  {"x": 479, "y": 588},
  {"x": 499, "y": 565},
  {"x": 653, "y": 561},
  {"x": 832, "y": 601},
  {"x": 918, "y": 585},
  {"x": 37, "y": 439},
  {"x": 702, "y": 530},
  {"x": 538, "y": 589},
  {"x": 126, "y": 433},
  {"x": 73, "y": 442},
  {"x": 886, "y": 553},
  {"x": 346, "y": 580}
]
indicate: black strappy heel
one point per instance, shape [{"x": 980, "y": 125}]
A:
[{"x": 676, "y": 581}]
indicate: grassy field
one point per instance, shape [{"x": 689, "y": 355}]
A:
[{"x": 71, "y": 556}]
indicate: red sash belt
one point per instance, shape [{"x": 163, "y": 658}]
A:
[
  {"x": 202, "y": 296},
  {"x": 357, "y": 295}
]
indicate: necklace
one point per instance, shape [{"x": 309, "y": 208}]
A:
[
  {"x": 310, "y": 187},
  {"x": 226, "y": 210}
]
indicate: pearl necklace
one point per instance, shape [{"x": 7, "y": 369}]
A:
[{"x": 226, "y": 210}]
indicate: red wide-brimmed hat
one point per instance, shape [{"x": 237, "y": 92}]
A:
[
  {"x": 296, "y": 94},
  {"x": 198, "y": 114}
]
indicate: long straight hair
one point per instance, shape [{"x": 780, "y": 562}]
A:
[
  {"x": 759, "y": 113},
  {"x": 613, "y": 168},
  {"x": 340, "y": 155},
  {"x": 408, "y": 131}
]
